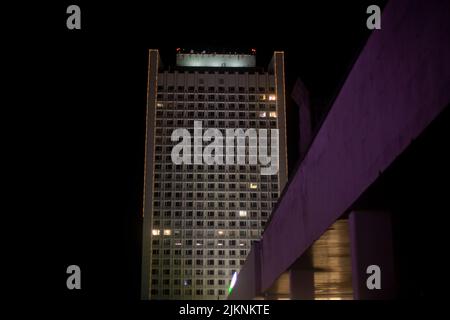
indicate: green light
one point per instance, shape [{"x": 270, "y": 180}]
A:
[{"x": 232, "y": 283}]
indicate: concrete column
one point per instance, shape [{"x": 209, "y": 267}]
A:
[
  {"x": 371, "y": 244},
  {"x": 301, "y": 278}
]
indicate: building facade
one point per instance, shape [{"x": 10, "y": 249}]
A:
[{"x": 199, "y": 220}]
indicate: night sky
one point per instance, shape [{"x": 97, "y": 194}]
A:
[{"x": 92, "y": 100}]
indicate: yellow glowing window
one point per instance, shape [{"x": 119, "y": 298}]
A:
[
  {"x": 156, "y": 232},
  {"x": 167, "y": 232},
  {"x": 272, "y": 97},
  {"x": 220, "y": 232},
  {"x": 159, "y": 104},
  {"x": 262, "y": 114},
  {"x": 263, "y": 97},
  {"x": 253, "y": 186},
  {"x": 273, "y": 114},
  {"x": 242, "y": 213}
]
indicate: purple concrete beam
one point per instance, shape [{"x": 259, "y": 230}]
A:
[{"x": 398, "y": 85}]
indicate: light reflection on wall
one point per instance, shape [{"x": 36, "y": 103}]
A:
[{"x": 216, "y": 60}]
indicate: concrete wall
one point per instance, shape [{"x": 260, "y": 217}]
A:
[{"x": 399, "y": 84}]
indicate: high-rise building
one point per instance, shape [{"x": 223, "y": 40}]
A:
[{"x": 200, "y": 219}]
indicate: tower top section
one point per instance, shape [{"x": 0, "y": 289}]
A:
[{"x": 216, "y": 60}]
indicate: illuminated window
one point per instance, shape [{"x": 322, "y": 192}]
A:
[
  {"x": 242, "y": 213},
  {"x": 262, "y": 114},
  {"x": 220, "y": 232},
  {"x": 167, "y": 232},
  {"x": 272, "y": 97},
  {"x": 156, "y": 232},
  {"x": 178, "y": 243},
  {"x": 262, "y": 97},
  {"x": 273, "y": 114},
  {"x": 159, "y": 104},
  {"x": 253, "y": 186}
]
